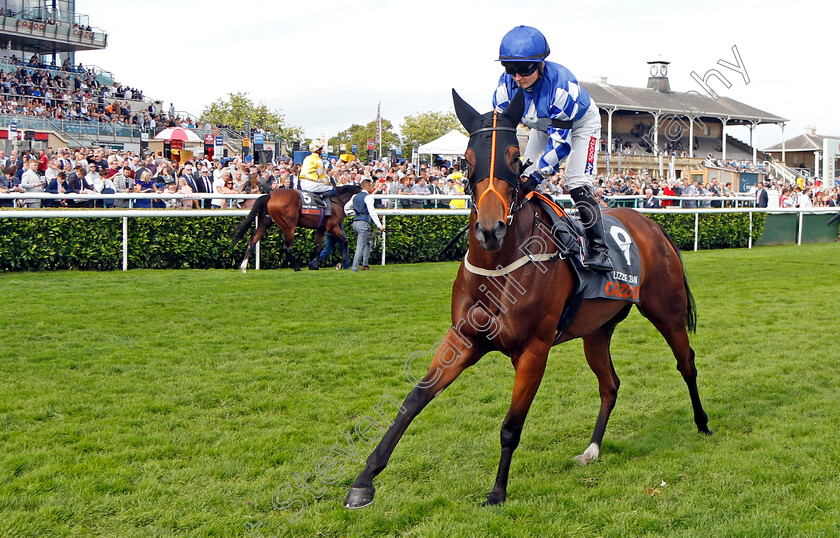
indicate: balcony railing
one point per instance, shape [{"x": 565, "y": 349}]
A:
[
  {"x": 103, "y": 77},
  {"x": 30, "y": 23}
]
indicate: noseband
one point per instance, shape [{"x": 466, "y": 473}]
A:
[{"x": 509, "y": 211}]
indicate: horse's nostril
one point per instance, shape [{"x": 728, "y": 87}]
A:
[
  {"x": 479, "y": 233},
  {"x": 499, "y": 229}
]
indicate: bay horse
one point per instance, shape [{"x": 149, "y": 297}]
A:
[
  {"x": 283, "y": 206},
  {"x": 503, "y": 301}
]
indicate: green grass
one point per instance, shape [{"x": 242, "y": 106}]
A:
[{"x": 163, "y": 403}]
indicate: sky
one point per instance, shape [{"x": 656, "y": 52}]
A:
[{"x": 326, "y": 65}]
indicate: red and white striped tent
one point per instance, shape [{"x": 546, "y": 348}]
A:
[{"x": 177, "y": 133}]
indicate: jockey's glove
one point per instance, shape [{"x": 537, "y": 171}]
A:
[{"x": 532, "y": 182}]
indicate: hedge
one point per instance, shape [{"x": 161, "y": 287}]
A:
[
  {"x": 204, "y": 242},
  {"x": 717, "y": 230}
]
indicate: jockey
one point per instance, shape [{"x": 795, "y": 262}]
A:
[
  {"x": 565, "y": 123},
  {"x": 312, "y": 176}
]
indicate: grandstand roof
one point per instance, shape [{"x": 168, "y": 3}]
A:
[
  {"x": 808, "y": 141},
  {"x": 678, "y": 103}
]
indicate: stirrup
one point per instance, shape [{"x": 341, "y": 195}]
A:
[{"x": 598, "y": 261}]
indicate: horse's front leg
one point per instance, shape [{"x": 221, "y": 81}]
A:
[
  {"x": 530, "y": 366},
  {"x": 342, "y": 241},
  {"x": 288, "y": 239},
  {"x": 319, "y": 244},
  {"x": 451, "y": 358},
  {"x": 337, "y": 232}
]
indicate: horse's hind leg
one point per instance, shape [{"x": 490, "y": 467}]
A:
[
  {"x": 596, "y": 346},
  {"x": 261, "y": 228},
  {"x": 675, "y": 333}
]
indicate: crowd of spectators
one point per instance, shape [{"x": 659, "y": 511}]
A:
[
  {"x": 743, "y": 165},
  {"x": 86, "y": 171},
  {"x": 75, "y": 94},
  {"x": 109, "y": 171}
]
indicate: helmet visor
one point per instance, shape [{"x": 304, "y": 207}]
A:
[{"x": 520, "y": 68}]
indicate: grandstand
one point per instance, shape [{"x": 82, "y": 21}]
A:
[
  {"x": 809, "y": 154},
  {"x": 46, "y": 99},
  {"x": 640, "y": 124}
]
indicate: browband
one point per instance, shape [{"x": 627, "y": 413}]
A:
[{"x": 483, "y": 129}]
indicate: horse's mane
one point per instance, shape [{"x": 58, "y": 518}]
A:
[
  {"x": 344, "y": 189},
  {"x": 347, "y": 189}
]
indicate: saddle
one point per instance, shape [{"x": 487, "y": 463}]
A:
[
  {"x": 621, "y": 284},
  {"x": 315, "y": 204}
]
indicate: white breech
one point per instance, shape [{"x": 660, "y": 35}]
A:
[
  {"x": 582, "y": 161},
  {"x": 314, "y": 186}
]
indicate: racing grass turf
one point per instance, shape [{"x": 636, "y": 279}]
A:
[{"x": 163, "y": 403}]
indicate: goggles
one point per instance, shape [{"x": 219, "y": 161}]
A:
[{"x": 521, "y": 68}]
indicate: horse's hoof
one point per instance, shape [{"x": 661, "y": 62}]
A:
[
  {"x": 359, "y": 497},
  {"x": 244, "y": 271},
  {"x": 705, "y": 431},
  {"x": 495, "y": 497},
  {"x": 591, "y": 454},
  {"x": 296, "y": 269}
]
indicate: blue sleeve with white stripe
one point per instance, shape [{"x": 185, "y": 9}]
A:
[
  {"x": 565, "y": 105},
  {"x": 501, "y": 97}
]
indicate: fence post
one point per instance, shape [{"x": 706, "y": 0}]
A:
[
  {"x": 799, "y": 233},
  {"x": 696, "y": 230},
  {"x": 383, "y": 239},
  {"x": 125, "y": 243},
  {"x": 256, "y": 250},
  {"x": 749, "y": 242}
]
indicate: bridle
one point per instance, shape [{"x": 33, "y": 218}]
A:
[{"x": 515, "y": 204}]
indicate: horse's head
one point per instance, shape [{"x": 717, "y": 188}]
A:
[{"x": 493, "y": 167}]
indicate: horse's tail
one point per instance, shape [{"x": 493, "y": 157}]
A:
[
  {"x": 258, "y": 211},
  {"x": 691, "y": 307}
]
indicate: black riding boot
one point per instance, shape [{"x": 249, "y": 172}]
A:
[{"x": 590, "y": 217}]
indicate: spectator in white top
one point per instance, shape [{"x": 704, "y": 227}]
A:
[
  {"x": 218, "y": 185},
  {"x": 52, "y": 171},
  {"x": 804, "y": 199},
  {"x": 30, "y": 181}
]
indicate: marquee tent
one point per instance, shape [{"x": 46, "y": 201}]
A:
[{"x": 452, "y": 143}]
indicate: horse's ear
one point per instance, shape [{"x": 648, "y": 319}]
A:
[
  {"x": 513, "y": 112},
  {"x": 467, "y": 115}
]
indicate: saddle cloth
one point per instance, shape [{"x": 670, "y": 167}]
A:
[
  {"x": 623, "y": 282},
  {"x": 312, "y": 204}
]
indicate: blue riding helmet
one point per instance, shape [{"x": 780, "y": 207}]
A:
[{"x": 523, "y": 44}]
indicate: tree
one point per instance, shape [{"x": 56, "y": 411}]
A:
[
  {"x": 425, "y": 127},
  {"x": 233, "y": 110},
  {"x": 360, "y": 134}
]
